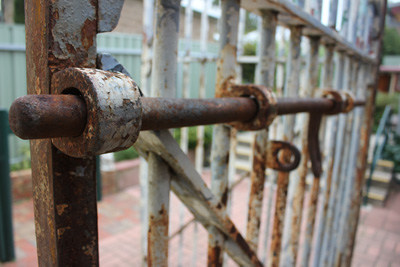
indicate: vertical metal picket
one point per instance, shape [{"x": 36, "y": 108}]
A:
[
  {"x": 365, "y": 131},
  {"x": 291, "y": 89},
  {"x": 145, "y": 80},
  {"x": 266, "y": 73},
  {"x": 329, "y": 148},
  {"x": 226, "y": 74},
  {"x": 185, "y": 94},
  {"x": 163, "y": 85},
  {"x": 312, "y": 69},
  {"x": 199, "y": 152}
]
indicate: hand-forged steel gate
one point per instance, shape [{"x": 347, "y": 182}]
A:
[{"x": 82, "y": 104}]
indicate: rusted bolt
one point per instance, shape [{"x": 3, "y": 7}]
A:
[
  {"x": 266, "y": 104},
  {"x": 113, "y": 107}
]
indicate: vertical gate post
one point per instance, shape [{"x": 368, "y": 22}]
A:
[
  {"x": 266, "y": 71},
  {"x": 291, "y": 90},
  {"x": 64, "y": 188},
  {"x": 6, "y": 228},
  {"x": 163, "y": 85},
  {"x": 226, "y": 74}
]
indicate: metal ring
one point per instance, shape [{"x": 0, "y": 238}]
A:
[
  {"x": 113, "y": 106},
  {"x": 274, "y": 161},
  {"x": 338, "y": 98},
  {"x": 266, "y": 103},
  {"x": 349, "y": 103}
]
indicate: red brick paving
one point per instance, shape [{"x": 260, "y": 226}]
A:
[{"x": 377, "y": 244}]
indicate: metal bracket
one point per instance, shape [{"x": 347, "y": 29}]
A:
[
  {"x": 266, "y": 103},
  {"x": 276, "y": 162},
  {"x": 113, "y": 107}
]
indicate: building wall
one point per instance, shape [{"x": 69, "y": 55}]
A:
[{"x": 131, "y": 21}]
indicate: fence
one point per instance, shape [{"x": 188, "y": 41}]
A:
[
  {"x": 126, "y": 48},
  {"x": 350, "y": 67}
]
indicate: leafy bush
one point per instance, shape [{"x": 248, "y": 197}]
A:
[
  {"x": 127, "y": 154},
  {"x": 383, "y": 100},
  {"x": 391, "y": 42},
  {"x": 25, "y": 162},
  {"x": 391, "y": 151},
  {"x": 193, "y": 136}
]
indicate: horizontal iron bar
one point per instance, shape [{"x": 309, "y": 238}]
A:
[
  {"x": 51, "y": 116},
  {"x": 290, "y": 14}
]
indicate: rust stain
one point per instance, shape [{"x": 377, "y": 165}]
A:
[
  {"x": 61, "y": 208},
  {"x": 60, "y": 231}
]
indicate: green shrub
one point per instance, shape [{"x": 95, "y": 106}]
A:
[
  {"x": 127, "y": 154},
  {"x": 25, "y": 162},
  {"x": 382, "y": 100},
  {"x": 391, "y": 151},
  {"x": 193, "y": 136}
]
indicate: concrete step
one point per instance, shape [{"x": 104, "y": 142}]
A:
[
  {"x": 383, "y": 165},
  {"x": 243, "y": 165},
  {"x": 377, "y": 193},
  {"x": 244, "y": 151},
  {"x": 245, "y": 137},
  {"x": 380, "y": 176}
]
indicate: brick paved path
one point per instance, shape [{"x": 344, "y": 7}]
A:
[{"x": 378, "y": 237}]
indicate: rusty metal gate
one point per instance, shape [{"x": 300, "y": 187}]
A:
[{"x": 81, "y": 104}]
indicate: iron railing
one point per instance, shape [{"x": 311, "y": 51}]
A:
[{"x": 107, "y": 111}]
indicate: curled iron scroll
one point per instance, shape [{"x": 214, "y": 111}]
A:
[{"x": 274, "y": 161}]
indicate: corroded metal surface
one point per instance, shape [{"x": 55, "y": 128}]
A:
[
  {"x": 162, "y": 85},
  {"x": 310, "y": 222},
  {"x": 291, "y": 90},
  {"x": 266, "y": 106},
  {"x": 226, "y": 75},
  {"x": 298, "y": 184},
  {"x": 346, "y": 164},
  {"x": 61, "y": 34},
  {"x": 108, "y": 15},
  {"x": 266, "y": 71},
  {"x": 188, "y": 185},
  {"x": 157, "y": 252},
  {"x": 341, "y": 79},
  {"x": 285, "y": 164},
  {"x": 52, "y": 110},
  {"x": 291, "y": 15},
  {"x": 327, "y": 82},
  {"x": 256, "y": 188},
  {"x": 160, "y": 113},
  {"x": 113, "y": 111},
  {"x": 343, "y": 145},
  {"x": 31, "y": 114},
  {"x": 365, "y": 131}
]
